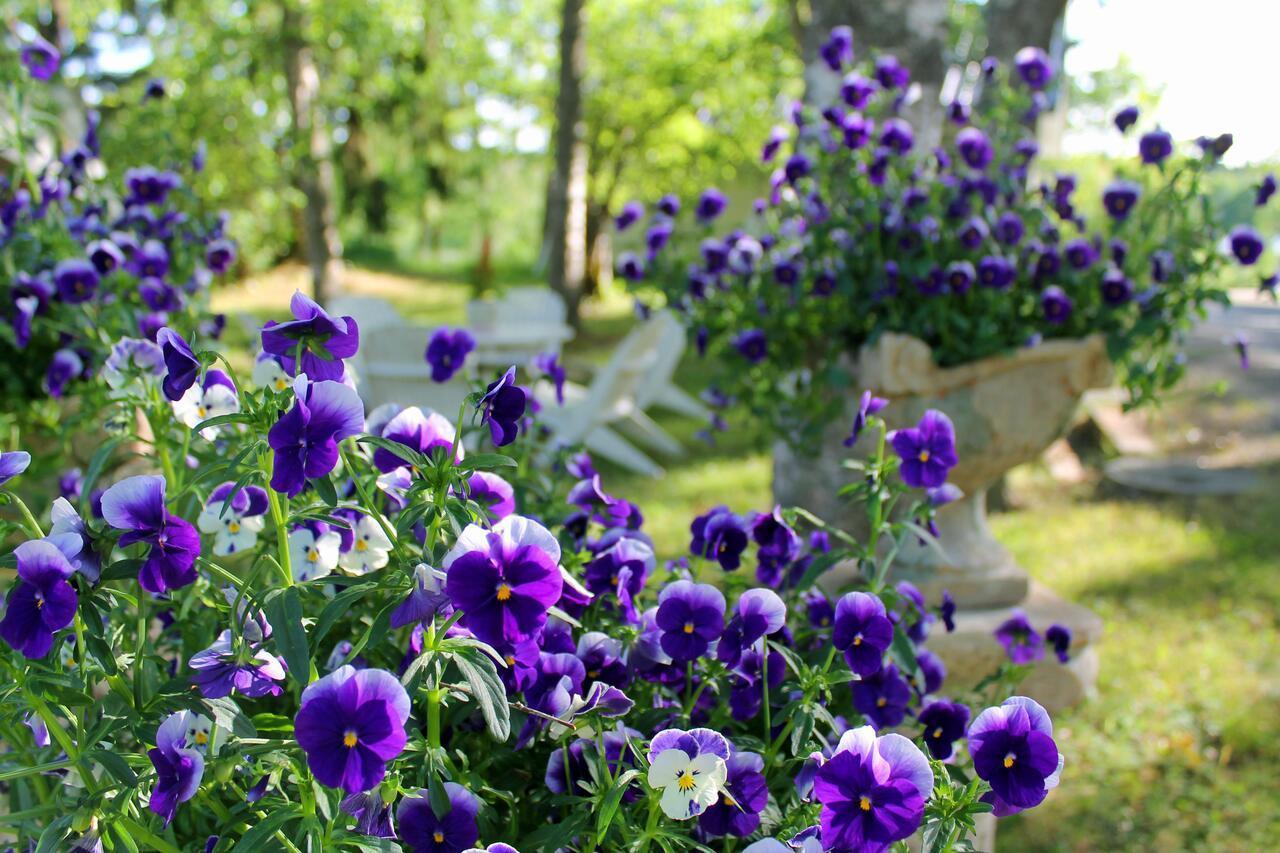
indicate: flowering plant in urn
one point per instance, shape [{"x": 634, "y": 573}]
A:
[{"x": 967, "y": 247}]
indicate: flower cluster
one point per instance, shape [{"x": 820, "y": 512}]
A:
[
  {"x": 966, "y": 244},
  {"x": 95, "y": 251},
  {"x": 338, "y": 624}
]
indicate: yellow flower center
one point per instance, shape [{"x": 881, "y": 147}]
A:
[
  {"x": 686, "y": 781},
  {"x": 281, "y": 383},
  {"x": 1008, "y": 761},
  {"x": 865, "y": 804},
  {"x": 924, "y": 456},
  {"x": 857, "y": 641},
  {"x": 202, "y": 411},
  {"x": 881, "y": 702},
  {"x": 511, "y": 659},
  {"x": 729, "y": 801},
  {"x": 504, "y": 592},
  {"x": 312, "y": 555},
  {"x": 233, "y": 526},
  {"x": 362, "y": 545},
  {"x": 39, "y": 604},
  {"x": 593, "y": 673},
  {"x": 688, "y": 627},
  {"x": 825, "y": 622},
  {"x": 937, "y": 732},
  {"x": 201, "y": 738},
  {"x": 349, "y": 739},
  {"x": 438, "y": 836}
]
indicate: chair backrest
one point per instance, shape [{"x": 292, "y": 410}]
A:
[
  {"x": 670, "y": 349},
  {"x": 525, "y": 305},
  {"x": 614, "y": 387},
  {"x": 393, "y": 369},
  {"x": 369, "y": 312}
]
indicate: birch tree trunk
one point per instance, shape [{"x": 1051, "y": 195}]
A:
[
  {"x": 566, "y": 211},
  {"x": 313, "y": 161}
]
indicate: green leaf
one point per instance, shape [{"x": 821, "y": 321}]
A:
[
  {"x": 481, "y": 675},
  {"x": 487, "y": 462},
  {"x": 338, "y": 606},
  {"x": 220, "y": 420},
  {"x": 115, "y": 765},
  {"x": 408, "y": 454},
  {"x": 226, "y": 713},
  {"x": 98, "y": 463},
  {"x": 257, "y": 836},
  {"x": 613, "y": 799},
  {"x": 324, "y": 487},
  {"x": 284, "y": 612}
]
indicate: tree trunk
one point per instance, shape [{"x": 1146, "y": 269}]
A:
[
  {"x": 566, "y": 237},
  {"x": 915, "y": 31},
  {"x": 313, "y": 163},
  {"x": 1014, "y": 24}
]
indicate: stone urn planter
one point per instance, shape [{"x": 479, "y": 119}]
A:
[{"x": 1006, "y": 410}]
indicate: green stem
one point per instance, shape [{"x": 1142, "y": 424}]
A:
[
  {"x": 278, "y": 518},
  {"x": 363, "y": 491},
  {"x": 433, "y": 716},
  {"x": 651, "y": 824},
  {"x": 764, "y": 679},
  {"x": 27, "y": 518},
  {"x": 56, "y": 730}
]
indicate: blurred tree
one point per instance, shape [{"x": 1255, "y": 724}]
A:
[{"x": 1014, "y": 24}]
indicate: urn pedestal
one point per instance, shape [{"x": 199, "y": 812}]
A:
[{"x": 1006, "y": 411}]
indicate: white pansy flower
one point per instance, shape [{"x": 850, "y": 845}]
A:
[
  {"x": 313, "y": 556},
  {"x": 370, "y": 548}
]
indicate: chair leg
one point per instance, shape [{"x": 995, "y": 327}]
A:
[
  {"x": 646, "y": 430},
  {"x": 609, "y": 445},
  {"x": 676, "y": 399}
]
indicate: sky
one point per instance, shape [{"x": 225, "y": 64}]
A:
[{"x": 1216, "y": 61}]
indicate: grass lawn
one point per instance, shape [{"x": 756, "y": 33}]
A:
[{"x": 1179, "y": 750}]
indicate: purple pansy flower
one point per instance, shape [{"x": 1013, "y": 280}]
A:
[
  {"x": 883, "y": 697},
  {"x": 179, "y": 762},
  {"x": 947, "y": 610},
  {"x": 631, "y": 213},
  {"x": 219, "y": 255},
  {"x": 1116, "y": 287},
  {"x": 136, "y": 505},
  {"x": 181, "y": 365},
  {"x": 40, "y": 58},
  {"x": 76, "y": 279},
  {"x": 1126, "y": 118},
  {"x": 752, "y": 345},
  {"x": 350, "y": 724},
  {"x": 974, "y": 147},
  {"x": 1246, "y": 245},
  {"x": 862, "y": 631},
  {"x": 873, "y": 791},
  {"x": 1056, "y": 305},
  {"x": 1021, "y": 642},
  {"x": 447, "y": 351},
  {"x": 777, "y": 543},
  {"x": 13, "y": 463},
  {"x": 426, "y": 598},
  {"x": 1266, "y": 189},
  {"x": 42, "y": 602},
  {"x": 323, "y": 341},
  {"x": 234, "y": 517},
  {"x": 837, "y": 51},
  {"x": 944, "y": 724},
  {"x": 927, "y": 450},
  {"x": 689, "y": 767},
  {"x": 711, "y": 204},
  {"x": 423, "y": 432},
  {"x": 305, "y": 438},
  {"x": 996, "y": 272},
  {"x": 373, "y": 816},
  {"x": 1120, "y": 197},
  {"x": 220, "y": 669},
  {"x": 691, "y": 617},
  {"x": 1059, "y": 637},
  {"x": 1033, "y": 67},
  {"x": 423, "y": 831},
  {"x": 719, "y": 535},
  {"x": 494, "y": 494},
  {"x": 502, "y": 407},
  {"x": 504, "y": 579},
  {"x": 743, "y": 797},
  {"x": 1155, "y": 146},
  {"x": 868, "y": 405},
  {"x": 548, "y": 364},
  {"x": 622, "y": 569},
  {"x": 891, "y": 73},
  {"x": 148, "y": 185},
  {"x": 65, "y": 366},
  {"x": 1013, "y": 750}
]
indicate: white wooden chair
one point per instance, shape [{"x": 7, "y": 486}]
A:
[
  {"x": 390, "y": 366},
  {"x": 523, "y": 323}
]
